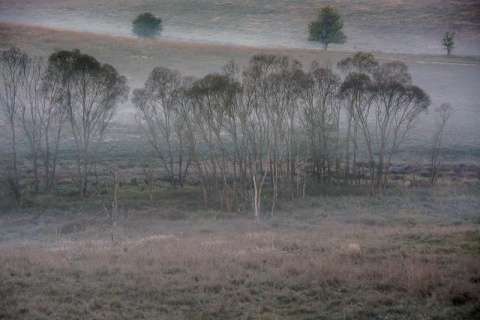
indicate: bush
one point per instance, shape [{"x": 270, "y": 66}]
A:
[{"x": 147, "y": 25}]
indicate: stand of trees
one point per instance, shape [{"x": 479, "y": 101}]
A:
[
  {"x": 277, "y": 125},
  {"x": 272, "y": 128},
  {"x": 70, "y": 96}
]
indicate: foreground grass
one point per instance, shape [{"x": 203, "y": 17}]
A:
[{"x": 411, "y": 257}]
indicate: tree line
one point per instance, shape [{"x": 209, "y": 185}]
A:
[
  {"x": 69, "y": 96},
  {"x": 272, "y": 126}
]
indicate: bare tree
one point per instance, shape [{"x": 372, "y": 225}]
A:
[
  {"x": 398, "y": 107},
  {"x": 31, "y": 111},
  {"x": 159, "y": 118},
  {"x": 42, "y": 121},
  {"x": 53, "y": 120},
  {"x": 89, "y": 92},
  {"x": 358, "y": 70},
  {"x": 271, "y": 83},
  {"x": 321, "y": 118},
  {"x": 388, "y": 109},
  {"x": 442, "y": 115},
  {"x": 13, "y": 68},
  {"x": 214, "y": 100},
  {"x": 257, "y": 137}
]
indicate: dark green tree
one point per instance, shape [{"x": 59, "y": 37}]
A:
[
  {"x": 146, "y": 25},
  {"x": 448, "y": 41},
  {"x": 328, "y": 27}
]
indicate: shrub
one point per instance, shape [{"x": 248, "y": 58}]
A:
[{"x": 146, "y": 25}]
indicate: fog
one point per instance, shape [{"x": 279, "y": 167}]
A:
[
  {"x": 263, "y": 23},
  {"x": 283, "y": 24}
]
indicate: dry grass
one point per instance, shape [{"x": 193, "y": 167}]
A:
[
  {"x": 234, "y": 270},
  {"x": 354, "y": 250}
]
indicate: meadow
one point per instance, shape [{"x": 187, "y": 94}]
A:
[{"x": 412, "y": 252}]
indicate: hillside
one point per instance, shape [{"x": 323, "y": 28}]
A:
[
  {"x": 454, "y": 80},
  {"x": 407, "y": 26}
]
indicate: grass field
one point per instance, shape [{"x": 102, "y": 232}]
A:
[{"x": 410, "y": 255}]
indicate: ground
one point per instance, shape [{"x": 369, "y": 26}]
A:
[{"x": 326, "y": 257}]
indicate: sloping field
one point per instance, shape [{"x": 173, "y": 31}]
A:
[
  {"x": 410, "y": 257},
  {"x": 407, "y": 26},
  {"x": 454, "y": 80}
]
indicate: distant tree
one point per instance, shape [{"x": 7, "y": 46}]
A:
[
  {"x": 448, "y": 41},
  {"x": 89, "y": 92},
  {"x": 328, "y": 27},
  {"x": 146, "y": 25}
]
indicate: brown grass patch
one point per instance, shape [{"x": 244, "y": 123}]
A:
[
  {"x": 248, "y": 273},
  {"x": 354, "y": 250}
]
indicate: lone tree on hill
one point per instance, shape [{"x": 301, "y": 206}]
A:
[
  {"x": 328, "y": 27},
  {"x": 448, "y": 42},
  {"x": 146, "y": 25}
]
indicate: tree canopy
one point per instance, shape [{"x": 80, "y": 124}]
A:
[
  {"x": 448, "y": 41},
  {"x": 146, "y": 25},
  {"x": 89, "y": 92},
  {"x": 328, "y": 27}
]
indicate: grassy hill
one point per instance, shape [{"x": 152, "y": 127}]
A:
[
  {"x": 406, "y": 26},
  {"x": 454, "y": 79}
]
